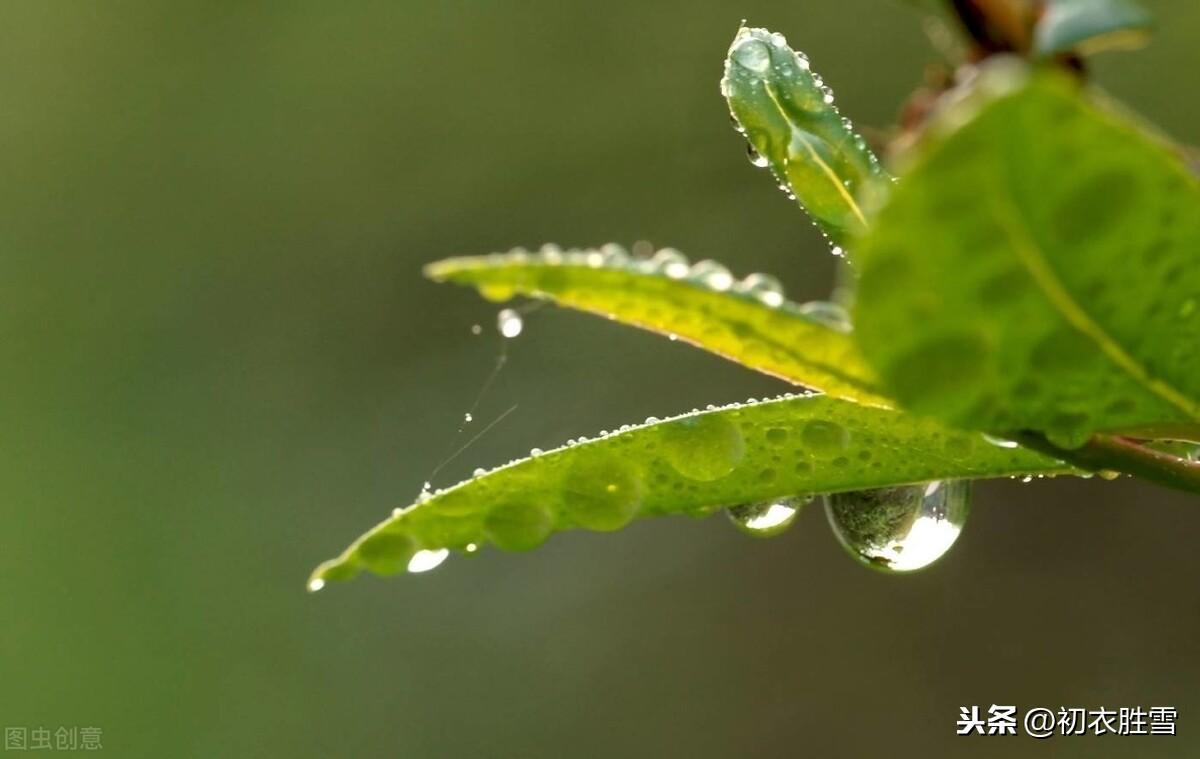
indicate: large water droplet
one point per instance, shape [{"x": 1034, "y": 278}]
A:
[
  {"x": 425, "y": 560},
  {"x": 518, "y": 526},
  {"x": 671, "y": 263},
  {"x": 711, "y": 274},
  {"x": 753, "y": 55},
  {"x": 315, "y": 584},
  {"x": 704, "y": 447},
  {"x": 767, "y": 519},
  {"x": 830, "y": 314},
  {"x": 764, "y": 288},
  {"x": 602, "y": 494},
  {"x": 509, "y": 323},
  {"x": 900, "y": 529},
  {"x": 756, "y": 158}
]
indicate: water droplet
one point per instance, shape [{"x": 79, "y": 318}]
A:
[
  {"x": 509, "y": 322},
  {"x": 1000, "y": 442},
  {"x": 535, "y": 452},
  {"x": 753, "y": 55},
  {"x": 704, "y": 448},
  {"x": 764, "y": 288},
  {"x": 518, "y": 526},
  {"x": 476, "y": 329},
  {"x": 670, "y": 262},
  {"x": 425, "y": 560},
  {"x": 315, "y": 584},
  {"x": 825, "y": 437},
  {"x": 778, "y": 40},
  {"x": 711, "y": 274},
  {"x": 767, "y": 519},
  {"x": 602, "y": 494},
  {"x": 830, "y": 314},
  {"x": 900, "y": 529},
  {"x": 471, "y": 547},
  {"x": 479, "y": 472},
  {"x": 467, "y": 417},
  {"x": 756, "y": 158}
]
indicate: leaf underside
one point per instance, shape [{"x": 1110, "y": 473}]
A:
[
  {"x": 1043, "y": 255},
  {"x": 694, "y": 465},
  {"x": 755, "y": 328},
  {"x": 788, "y": 115}
]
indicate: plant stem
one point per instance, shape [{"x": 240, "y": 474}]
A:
[{"x": 1108, "y": 452}]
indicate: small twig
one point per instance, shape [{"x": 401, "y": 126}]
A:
[{"x": 1108, "y": 452}]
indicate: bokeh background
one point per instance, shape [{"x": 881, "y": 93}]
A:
[{"x": 219, "y": 363}]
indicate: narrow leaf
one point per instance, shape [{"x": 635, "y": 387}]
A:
[
  {"x": 789, "y": 117},
  {"x": 694, "y": 465},
  {"x": 1091, "y": 26},
  {"x": 746, "y": 321},
  {"x": 1036, "y": 269}
]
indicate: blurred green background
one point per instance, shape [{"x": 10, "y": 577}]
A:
[{"x": 219, "y": 364}]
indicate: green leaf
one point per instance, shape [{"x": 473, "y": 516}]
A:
[
  {"x": 788, "y": 115},
  {"x": 1090, "y": 26},
  {"x": 746, "y": 321},
  {"x": 695, "y": 464},
  {"x": 1036, "y": 268}
]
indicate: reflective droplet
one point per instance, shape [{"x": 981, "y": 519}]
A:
[
  {"x": 476, "y": 329},
  {"x": 518, "y": 526},
  {"x": 756, "y": 158},
  {"x": 425, "y": 560},
  {"x": 767, "y": 519},
  {"x": 825, "y": 437},
  {"x": 535, "y": 452},
  {"x": 830, "y": 314},
  {"x": 467, "y": 417},
  {"x": 1000, "y": 442},
  {"x": 315, "y": 584},
  {"x": 753, "y": 55},
  {"x": 705, "y": 447},
  {"x": 900, "y": 529},
  {"x": 711, "y": 274},
  {"x": 764, "y": 288},
  {"x": 671, "y": 263},
  {"x": 509, "y": 323},
  {"x": 602, "y": 494}
]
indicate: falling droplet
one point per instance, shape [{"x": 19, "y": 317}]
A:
[
  {"x": 767, "y": 519},
  {"x": 425, "y": 560},
  {"x": 764, "y": 288},
  {"x": 900, "y": 529},
  {"x": 509, "y": 322},
  {"x": 315, "y": 584},
  {"x": 753, "y": 55},
  {"x": 756, "y": 158}
]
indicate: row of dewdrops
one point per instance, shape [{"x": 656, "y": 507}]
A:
[{"x": 666, "y": 262}]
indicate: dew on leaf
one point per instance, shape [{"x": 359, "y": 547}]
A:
[
  {"x": 767, "y": 519},
  {"x": 604, "y": 494},
  {"x": 518, "y": 526},
  {"x": 830, "y": 314},
  {"x": 900, "y": 529},
  {"x": 753, "y": 55},
  {"x": 825, "y": 437},
  {"x": 704, "y": 448},
  {"x": 757, "y": 159}
]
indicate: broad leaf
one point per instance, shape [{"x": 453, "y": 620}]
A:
[
  {"x": 1037, "y": 268},
  {"x": 694, "y": 464},
  {"x": 747, "y": 321},
  {"x": 1090, "y": 26},
  {"x": 789, "y": 117}
]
